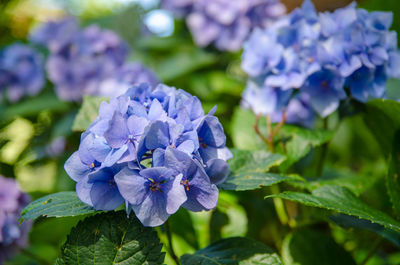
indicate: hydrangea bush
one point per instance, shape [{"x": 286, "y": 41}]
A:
[
  {"x": 126, "y": 168},
  {"x": 12, "y": 235},
  {"x": 322, "y": 58}
]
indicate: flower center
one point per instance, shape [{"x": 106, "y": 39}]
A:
[
  {"x": 201, "y": 143},
  {"x": 185, "y": 183},
  {"x": 155, "y": 185},
  {"x": 324, "y": 84}
]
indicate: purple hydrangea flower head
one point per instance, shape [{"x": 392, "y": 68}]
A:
[
  {"x": 79, "y": 65},
  {"x": 12, "y": 235},
  {"x": 154, "y": 149},
  {"x": 21, "y": 72},
  {"x": 225, "y": 23},
  {"x": 55, "y": 34},
  {"x": 320, "y": 55}
]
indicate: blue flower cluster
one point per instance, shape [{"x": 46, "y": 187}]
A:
[
  {"x": 87, "y": 61},
  {"x": 12, "y": 234},
  {"x": 225, "y": 23},
  {"x": 21, "y": 72},
  {"x": 327, "y": 56},
  {"x": 154, "y": 149}
]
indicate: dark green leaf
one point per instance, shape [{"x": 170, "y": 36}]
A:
[
  {"x": 393, "y": 177},
  {"x": 112, "y": 238},
  {"x": 253, "y": 180},
  {"x": 249, "y": 170},
  {"x": 308, "y": 247},
  {"x": 234, "y": 250},
  {"x": 354, "y": 222},
  {"x": 357, "y": 183},
  {"x": 342, "y": 200},
  {"x": 383, "y": 119},
  {"x": 87, "y": 113},
  {"x": 32, "y": 106},
  {"x": 60, "y": 204},
  {"x": 59, "y": 262}
]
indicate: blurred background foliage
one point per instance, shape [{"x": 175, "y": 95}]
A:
[{"x": 28, "y": 128}]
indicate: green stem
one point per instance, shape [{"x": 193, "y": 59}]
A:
[
  {"x": 324, "y": 150},
  {"x": 170, "y": 247},
  {"x": 279, "y": 206}
]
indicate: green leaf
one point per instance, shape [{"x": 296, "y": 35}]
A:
[
  {"x": 184, "y": 62},
  {"x": 32, "y": 106},
  {"x": 341, "y": 200},
  {"x": 248, "y": 170},
  {"x": 256, "y": 161},
  {"x": 87, "y": 113},
  {"x": 242, "y": 131},
  {"x": 234, "y": 250},
  {"x": 59, "y": 262},
  {"x": 229, "y": 219},
  {"x": 354, "y": 222},
  {"x": 60, "y": 204},
  {"x": 356, "y": 183},
  {"x": 253, "y": 180},
  {"x": 112, "y": 238},
  {"x": 308, "y": 247},
  {"x": 298, "y": 141},
  {"x": 393, "y": 176},
  {"x": 383, "y": 119}
]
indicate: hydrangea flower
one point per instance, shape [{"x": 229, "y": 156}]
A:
[
  {"x": 12, "y": 235},
  {"x": 55, "y": 34},
  {"x": 321, "y": 56},
  {"x": 179, "y": 7},
  {"x": 21, "y": 72},
  {"x": 154, "y": 149},
  {"x": 225, "y": 23},
  {"x": 88, "y": 61}
]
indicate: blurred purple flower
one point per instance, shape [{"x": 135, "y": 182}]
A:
[
  {"x": 225, "y": 23},
  {"x": 55, "y": 34},
  {"x": 79, "y": 65},
  {"x": 21, "y": 72},
  {"x": 12, "y": 235}
]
